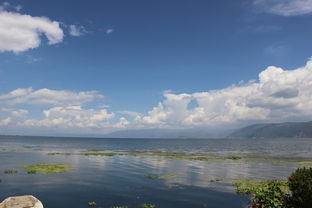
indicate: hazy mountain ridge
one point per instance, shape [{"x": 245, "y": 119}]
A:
[
  {"x": 169, "y": 133},
  {"x": 275, "y": 130}
]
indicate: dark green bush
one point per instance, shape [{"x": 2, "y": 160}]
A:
[
  {"x": 300, "y": 186},
  {"x": 269, "y": 195}
]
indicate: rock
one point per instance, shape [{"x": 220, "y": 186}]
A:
[{"x": 27, "y": 201}]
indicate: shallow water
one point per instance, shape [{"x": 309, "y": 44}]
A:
[{"x": 121, "y": 180}]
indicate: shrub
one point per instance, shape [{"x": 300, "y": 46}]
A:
[
  {"x": 300, "y": 185},
  {"x": 269, "y": 195}
]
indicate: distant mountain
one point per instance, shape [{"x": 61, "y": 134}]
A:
[
  {"x": 169, "y": 133},
  {"x": 275, "y": 130}
]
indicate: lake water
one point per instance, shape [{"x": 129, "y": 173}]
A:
[{"x": 121, "y": 180}]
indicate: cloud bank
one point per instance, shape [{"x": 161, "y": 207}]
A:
[
  {"x": 285, "y": 7},
  {"x": 278, "y": 95}
]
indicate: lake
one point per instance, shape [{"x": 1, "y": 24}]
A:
[{"x": 122, "y": 179}]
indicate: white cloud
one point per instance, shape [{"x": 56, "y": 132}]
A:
[
  {"x": 77, "y": 30},
  {"x": 109, "y": 31},
  {"x": 48, "y": 97},
  {"x": 20, "y": 32},
  {"x": 6, "y": 5},
  {"x": 285, "y": 7},
  {"x": 71, "y": 117},
  {"x": 280, "y": 95}
]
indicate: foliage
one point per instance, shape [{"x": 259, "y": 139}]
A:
[
  {"x": 234, "y": 157},
  {"x": 92, "y": 203},
  {"x": 148, "y": 206},
  {"x": 10, "y": 171},
  {"x": 47, "y": 168},
  {"x": 269, "y": 195},
  {"x": 300, "y": 185},
  {"x": 266, "y": 194},
  {"x": 118, "y": 207},
  {"x": 150, "y": 176}
]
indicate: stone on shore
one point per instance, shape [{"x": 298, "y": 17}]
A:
[{"x": 27, "y": 201}]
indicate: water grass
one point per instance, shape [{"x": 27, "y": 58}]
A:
[
  {"x": 248, "y": 186},
  {"x": 305, "y": 163},
  {"x": 92, "y": 203},
  {"x": 109, "y": 154},
  {"x": 148, "y": 206},
  {"x": 118, "y": 207},
  {"x": 10, "y": 171},
  {"x": 47, "y": 168},
  {"x": 60, "y": 153},
  {"x": 151, "y": 176}
]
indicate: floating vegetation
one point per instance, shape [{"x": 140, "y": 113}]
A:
[
  {"x": 151, "y": 176},
  {"x": 148, "y": 206},
  {"x": 233, "y": 158},
  {"x": 12, "y": 150},
  {"x": 216, "y": 180},
  {"x": 305, "y": 163},
  {"x": 110, "y": 154},
  {"x": 60, "y": 153},
  {"x": 118, "y": 207},
  {"x": 92, "y": 203},
  {"x": 95, "y": 150},
  {"x": 248, "y": 186},
  {"x": 10, "y": 171},
  {"x": 204, "y": 157},
  {"x": 47, "y": 168}
]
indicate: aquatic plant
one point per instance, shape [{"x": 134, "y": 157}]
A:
[
  {"x": 92, "y": 203},
  {"x": 47, "y": 168},
  {"x": 233, "y": 157},
  {"x": 10, "y": 171},
  {"x": 60, "y": 153},
  {"x": 118, "y": 207},
  {"x": 148, "y": 206},
  {"x": 249, "y": 186},
  {"x": 216, "y": 180},
  {"x": 300, "y": 186},
  {"x": 86, "y": 153},
  {"x": 304, "y": 163},
  {"x": 150, "y": 176},
  {"x": 101, "y": 154},
  {"x": 167, "y": 176}
]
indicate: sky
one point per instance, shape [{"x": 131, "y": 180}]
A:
[{"x": 94, "y": 67}]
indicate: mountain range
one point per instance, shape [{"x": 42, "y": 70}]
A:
[{"x": 268, "y": 130}]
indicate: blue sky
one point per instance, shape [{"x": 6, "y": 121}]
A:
[{"x": 151, "y": 64}]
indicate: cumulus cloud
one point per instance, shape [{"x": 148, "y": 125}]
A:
[
  {"x": 77, "y": 30},
  {"x": 21, "y": 32},
  {"x": 285, "y": 7},
  {"x": 71, "y": 117},
  {"x": 279, "y": 95},
  {"x": 48, "y": 97}
]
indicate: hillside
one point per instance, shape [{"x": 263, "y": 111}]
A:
[{"x": 275, "y": 130}]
